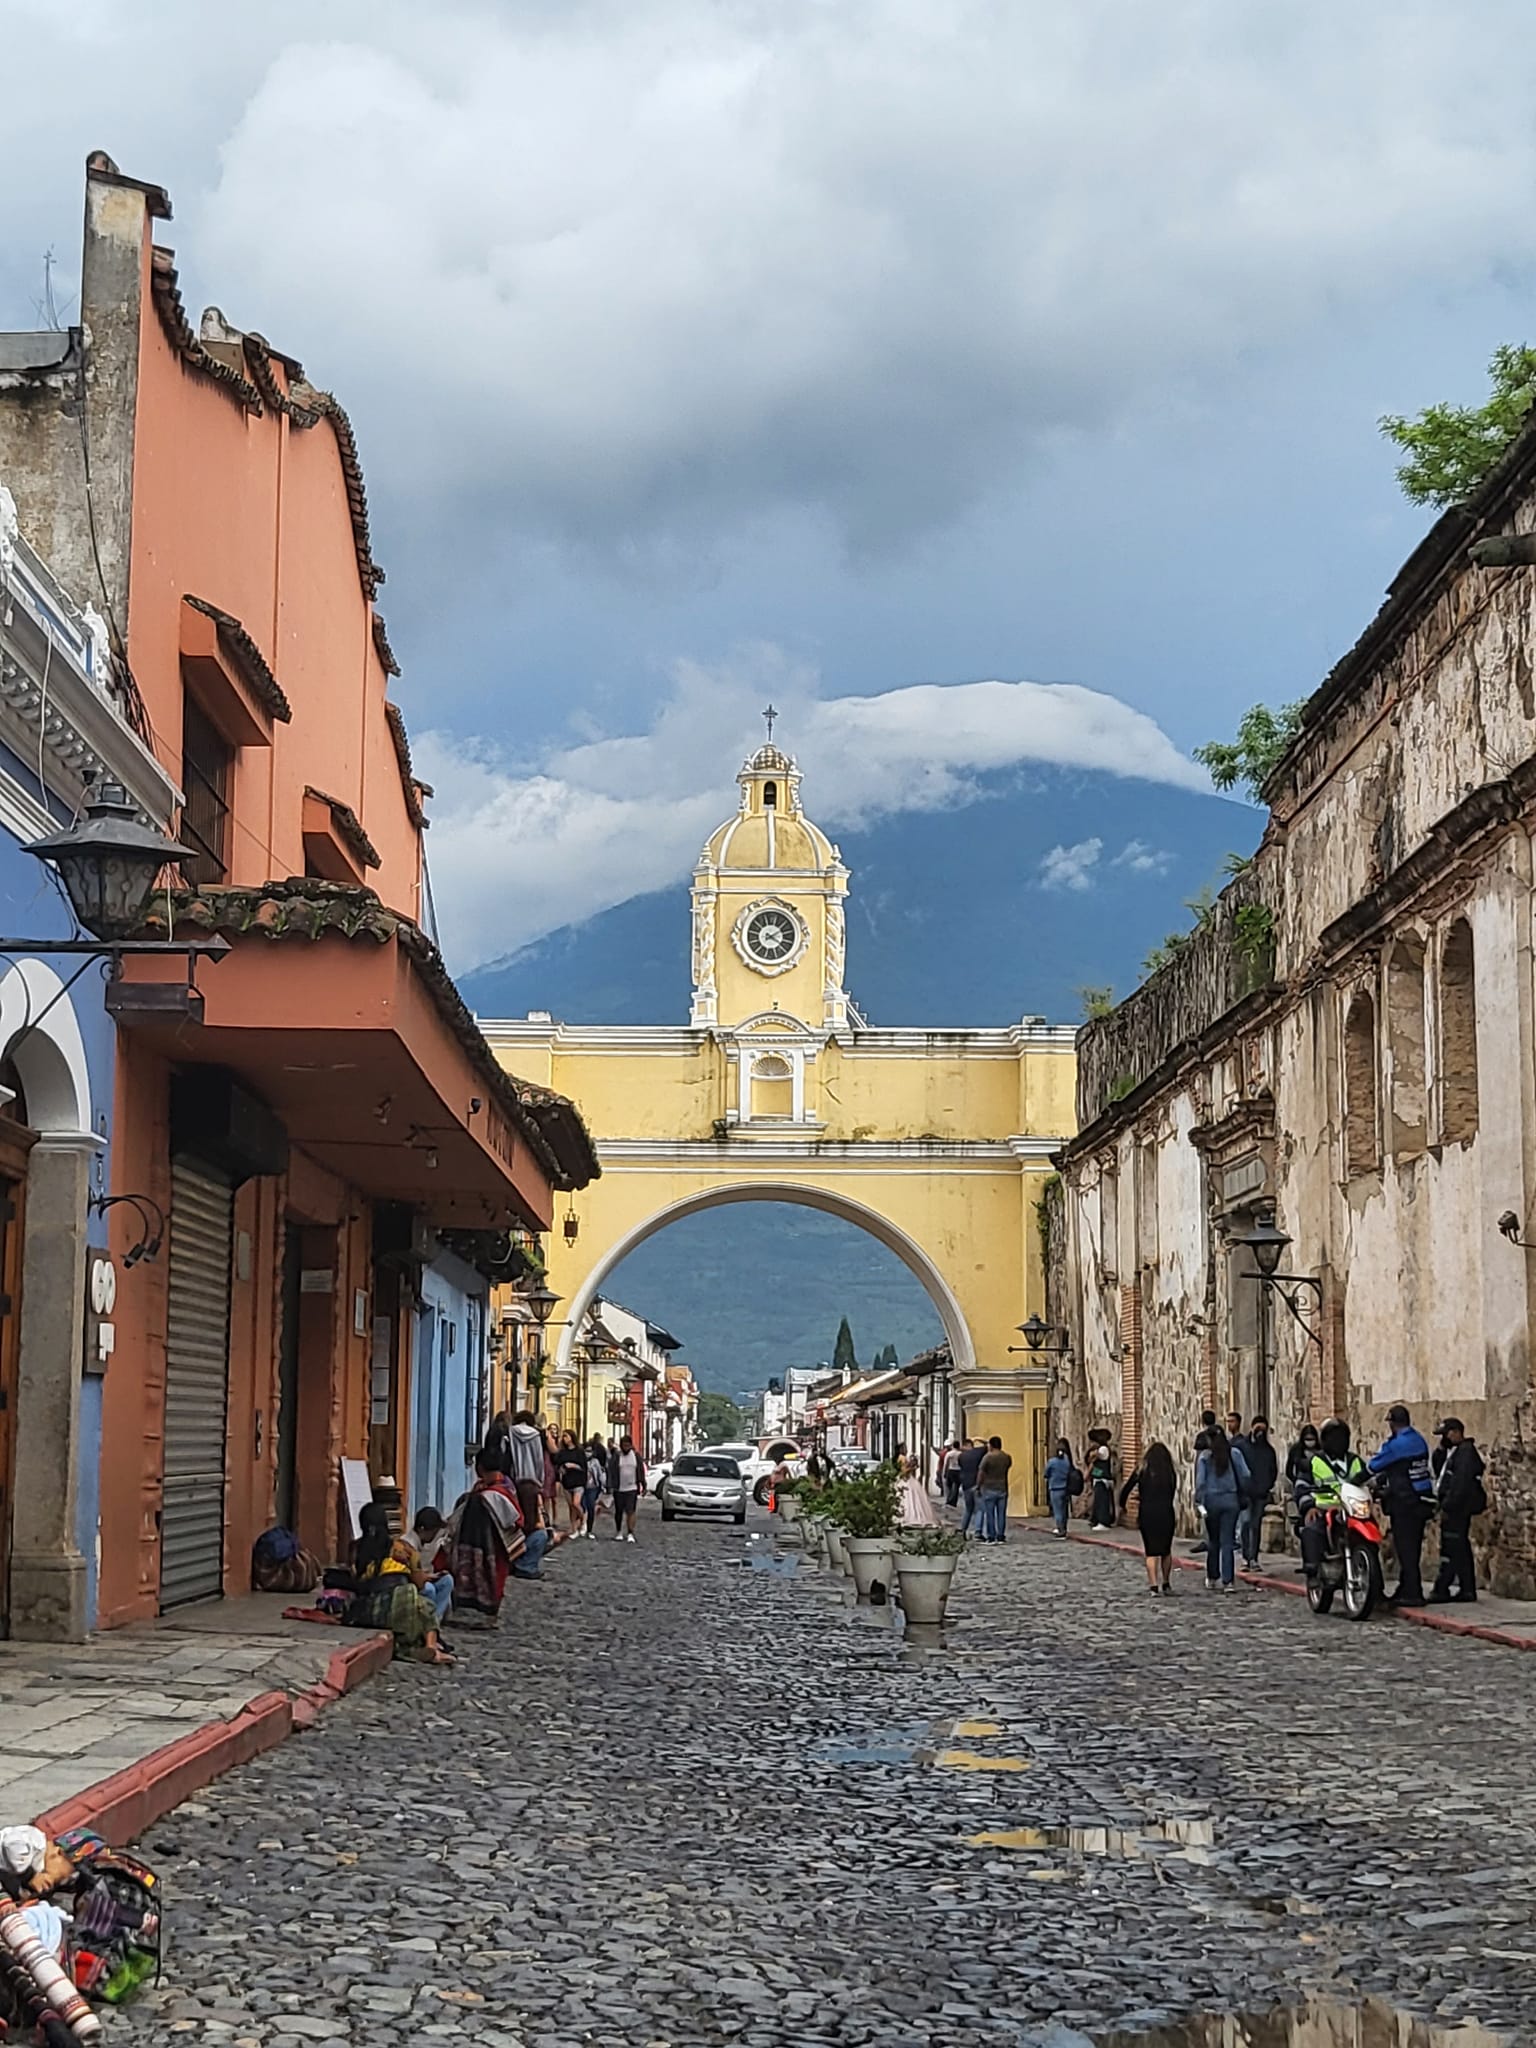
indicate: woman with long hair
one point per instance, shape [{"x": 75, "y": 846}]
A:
[
  {"x": 914, "y": 1509},
  {"x": 1221, "y": 1487},
  {"x": 389, "y": 1594},
  {"x": 571, "y": 1470},
  {"x": 1156, "y": 1485}
]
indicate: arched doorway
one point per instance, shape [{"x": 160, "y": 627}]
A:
[
  {"x": 46, "y": 1148},
  {"x": 907, "y": 1249}
]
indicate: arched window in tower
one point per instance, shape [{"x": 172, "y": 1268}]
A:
[
  {"x": 1458, "y": 1037},
  {"x": 1362, "y": 1150},
  {"x": 770, "y": 796},
  {"x": 1405, "y": 1044},
  {"x": 773, "y": 1088}
]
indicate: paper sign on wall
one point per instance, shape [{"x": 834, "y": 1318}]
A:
[{"x": 358, "y": 1488}]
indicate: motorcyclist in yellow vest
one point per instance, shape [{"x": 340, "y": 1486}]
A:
[{"x": 1317, "y": 1488}]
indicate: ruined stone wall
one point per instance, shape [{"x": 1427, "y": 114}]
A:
[{"x": 1224, "y": 960}]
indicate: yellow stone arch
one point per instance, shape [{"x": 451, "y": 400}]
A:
[{"x": 936, "y": 1142}]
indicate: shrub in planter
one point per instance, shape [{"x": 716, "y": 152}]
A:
[
  {"x": 869, "y": 1523},
  {"x": 925, "y": 1570}
]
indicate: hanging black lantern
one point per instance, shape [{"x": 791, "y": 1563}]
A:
[{"x": 109, "y": 863}]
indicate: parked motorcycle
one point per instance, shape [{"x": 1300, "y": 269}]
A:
[{"x": 1351, "y": 1562}]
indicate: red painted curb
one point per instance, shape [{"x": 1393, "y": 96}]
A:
[
  {"x": 121, "y": 1807},
  {"x": 1417, "y": 1617}
]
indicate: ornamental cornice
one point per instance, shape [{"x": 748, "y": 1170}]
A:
[{"x": 56, "y": 710}]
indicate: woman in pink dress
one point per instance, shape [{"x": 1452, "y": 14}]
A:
[{"x": 914, "y": 1510}]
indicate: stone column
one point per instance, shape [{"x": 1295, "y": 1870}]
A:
[{"x": 47, "y": 1570}]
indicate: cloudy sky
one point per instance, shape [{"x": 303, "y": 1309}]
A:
[{"x": 985, "y": 380}]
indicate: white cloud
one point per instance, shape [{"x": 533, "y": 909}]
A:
[
  {"x": 634, "y": 272},
  {"x": 518, "y": 849},
  {"x": 1142, "y": 859},
  {"x": 1071, "y": 867}
]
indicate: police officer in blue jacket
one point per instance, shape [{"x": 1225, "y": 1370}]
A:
[{"x": 1402, "y": 1466}]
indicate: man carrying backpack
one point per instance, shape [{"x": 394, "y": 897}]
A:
[{"x": 1457, "y": 1467}]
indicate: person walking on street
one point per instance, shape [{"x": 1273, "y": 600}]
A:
[
  {"x": 1156, "y": 1486},
  {"x": 1457, "y": 1469},
  {"x": 571, "y": 1471},
  {"x": 992, "y": 1488},
  {"x": 626, "y": 1482},
  {"x": 1060, "y": 1472},
  {"x": 525, "y": 1467},
  {"x": 1402, "y": 1466},
  {"x": 950, "y": 1475},
  {"x": 1221, "y": 1484},
  {"x": 592, "y": 1492},
  {"x": 1263, "y": 1475},
  {"x": 971, "y": 1455},
  {"x": 1101, "y": 1477}
]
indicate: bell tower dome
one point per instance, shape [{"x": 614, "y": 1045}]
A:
[{"x": 768, "y": 907}]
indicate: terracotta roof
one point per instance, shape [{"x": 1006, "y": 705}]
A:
[
  {"x": 307, "y": 909},
  {"x": 166, "y": 292},
  {"x": 248, "y": 658},
  {"x": 414, "y": 790},
  {"x": 349, "y": 827},
  {"x": 382, "y": 648}
]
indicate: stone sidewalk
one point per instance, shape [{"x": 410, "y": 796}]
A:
[
  {"x": 1511, "y": 1623},
  {"x": 112, "y": 1732}
]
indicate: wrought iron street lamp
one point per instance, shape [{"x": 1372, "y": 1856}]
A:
[
  {"x": 1042, "y": 1337},
  {"x": 109, "y": 863},
  {"x": 1268, "y": 1244}
]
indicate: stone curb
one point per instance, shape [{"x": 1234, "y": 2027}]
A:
[
  {"x": 121, "y": 1807},
  {"x": 1419, "y": 1617}
]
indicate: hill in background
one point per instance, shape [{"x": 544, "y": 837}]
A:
[{"x": 1052, "y": 881}]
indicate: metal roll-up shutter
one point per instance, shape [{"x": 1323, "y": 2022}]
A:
[{"x": 196, "y": 1386}]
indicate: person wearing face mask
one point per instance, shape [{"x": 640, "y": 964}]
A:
[
  {"x": 1298, "y": 1462},
  {"x": 1263, "y": 1472}
]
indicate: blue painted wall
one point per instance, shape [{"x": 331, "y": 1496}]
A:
[
  {"x": 447, "y": 1379},
  {"x": 32, "y": 905}
]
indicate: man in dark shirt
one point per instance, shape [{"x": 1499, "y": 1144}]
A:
[
  {"x": 971, "y": 1456},
  {"x": 992, "y": 1490},
  {"x": 1457, "y": 1469}
]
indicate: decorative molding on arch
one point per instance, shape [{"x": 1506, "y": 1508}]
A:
[
  {"x": 907, "y": 1249},
  {"x": 40, "y": 1033}
]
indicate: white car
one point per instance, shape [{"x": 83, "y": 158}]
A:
[
  {"x": 703, "y": 1483},
  {"x": 758, "y": 1466}
]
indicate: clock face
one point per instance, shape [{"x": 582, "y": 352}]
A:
[{"x": 770, "y": 937}]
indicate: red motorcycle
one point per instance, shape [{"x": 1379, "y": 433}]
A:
[{"x": 1351, "y": 1561}]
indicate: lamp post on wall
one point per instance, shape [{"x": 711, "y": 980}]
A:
[
  {"x": 1268, "y": 1243},
  {"x": 542, "y": 1300}
]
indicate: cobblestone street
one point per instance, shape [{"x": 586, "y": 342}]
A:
[{"x": 689, "y": 1796}]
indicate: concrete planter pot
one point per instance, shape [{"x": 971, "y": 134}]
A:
[
  {"x": 788, "y": 1505},
  {"x": 873, "y": 1562},
  {"x": 834, "y": 1546},
  {"x": 812, "y": 1536},
  {"x": 925, "y": 1584}
]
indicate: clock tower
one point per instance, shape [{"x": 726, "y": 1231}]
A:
[{"x": 768, "y": 937}]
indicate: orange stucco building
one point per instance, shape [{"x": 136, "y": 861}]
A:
[{"x": 307, "y": 1109}]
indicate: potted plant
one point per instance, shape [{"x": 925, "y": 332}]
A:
[
  {"x": 830, "y": 1511},
  {"x": 869, "y": 1523},
  {"x": 787, "y": 1502},
  {"x": 925, "y": 1569}
]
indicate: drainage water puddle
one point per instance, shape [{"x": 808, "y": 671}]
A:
[
  {"x": 1186, "y": 1841},
  {"x": 878, "y": 1746},
  {"x": 765, "y": 1561},
  {"x": 1319, "y": 2024}
]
